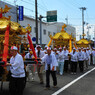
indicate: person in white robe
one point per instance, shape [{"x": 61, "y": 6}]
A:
[{"x": 50, "y": 66}]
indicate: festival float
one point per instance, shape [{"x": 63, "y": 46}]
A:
[
  {"x": 83, "y": 42},
  {"x": 11, "y": 34},
  {"x": 61, "y": 39}
]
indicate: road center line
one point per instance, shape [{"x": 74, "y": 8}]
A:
[{"x": 69, "y": 84}]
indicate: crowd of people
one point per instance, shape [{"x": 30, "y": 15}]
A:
[
  {"x": 62, "y": 61},
  {"x": 57, "y": 60}
]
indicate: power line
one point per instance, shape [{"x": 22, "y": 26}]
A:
[
  {"x": 29, "y": 9},
  {"x": 69, "y": 5},
  {"x": 44, "y": 4},
  {"x": 28, "y": 3},
  {"x": 76, "y": 3},
  {"x": 43, "y": 8},
  {"x": 87, "y": 16}
]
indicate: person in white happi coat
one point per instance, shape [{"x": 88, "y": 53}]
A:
[
  {"x": 45, "y": 49},
  {"x": 55, "y": 53},
  {"x": 89, "y": 53},
  {"x": 86, "y": 59},
  {"x": 30, "y": 67},
  {"x": 40, "y": 67},
  {"x": 93, "y": 55},
  {"x": 61, "y": 61},
  {"x": 52, "y": 51},
  {"x": 74, "y": 60},
  {"x": 66, "y": 59},
  {"x": 50, "y": 67},
  {"x": 35, "y": 48},
  {"x": 17, "y": 79},
  {"x": 81, "y": 59}
]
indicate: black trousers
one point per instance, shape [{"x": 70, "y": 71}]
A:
[
  {"x": 73, "y": 66},
  {"x": 16, "y": 86},
  {"x": 53, "y": 74},
  {"x": 81, "y": 65},
  {"x": 66, "y": 62}
]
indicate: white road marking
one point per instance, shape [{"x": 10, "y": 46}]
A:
[{"x": 69, "y": 84}]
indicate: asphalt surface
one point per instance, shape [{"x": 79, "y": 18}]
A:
[{"x": 84, "y": 86}]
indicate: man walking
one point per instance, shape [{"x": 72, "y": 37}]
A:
[
  {"x": 40, "y": 67},
  {"x": 17, "y": 80},
  {"x": 50, "y": 67}
]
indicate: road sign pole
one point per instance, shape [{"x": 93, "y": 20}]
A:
[{"x": 40, "y": 18}]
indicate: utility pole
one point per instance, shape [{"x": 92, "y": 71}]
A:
[
  {"x": 83, "y": 8},
  {"x": 40, "y": 18},
  {"x": 36, "y": 23}
]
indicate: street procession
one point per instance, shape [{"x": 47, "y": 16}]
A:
[{"x": 46, "y": 58}]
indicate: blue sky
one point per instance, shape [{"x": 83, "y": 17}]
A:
[{"x": 64, "y": 8}]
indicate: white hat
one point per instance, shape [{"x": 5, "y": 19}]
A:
[
  {"x": 79, "y": 48},
  {"x": 55, "y": 48},
  {"x": 60, "y": 48},
  {"x": 74, "y": 48},
  {"x": 14, "y": 48},
  {"x": 84, "y": 48},
  {"x": 87, "y": 47},
  {"x": 48, "y": 48},
  {"x": 38, "y": 46},
  {"x": 30, "y": 49},
  {"x": 64, "y": 47},
  {"x": 41, "y": 48}
]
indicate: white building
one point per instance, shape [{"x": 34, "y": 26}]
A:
[{"x": 47, "y": 29}]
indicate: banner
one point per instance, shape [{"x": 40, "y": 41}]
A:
[{"x": 20, "y": 13}]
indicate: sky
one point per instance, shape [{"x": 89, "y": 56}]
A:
[{"x": 65, "y": 8}]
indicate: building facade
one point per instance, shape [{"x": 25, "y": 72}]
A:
[
  {"x": 47, "y": 29},
  {"x": 12, "y": 12}
]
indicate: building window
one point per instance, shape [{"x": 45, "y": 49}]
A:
[
  {"x": 49, "y": 33},
  {"x": 53, "y": 33},
  {"x": 44, "y": 32}
]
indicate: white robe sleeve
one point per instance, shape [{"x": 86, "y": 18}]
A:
[
  {"x": 55, "y": 63},
  {"x": 43, "y": 58},
  {"x": 17, "y": 62}
]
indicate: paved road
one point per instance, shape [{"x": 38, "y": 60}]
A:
[
  {"x": 81, "y": 87},
  {"x": 85, "y": 86}
]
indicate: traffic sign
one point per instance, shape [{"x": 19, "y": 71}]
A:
[
  {"x": 34, "y": 39},
  {"x": 51, "y": 16},
  {"x": 20, "y": 13}
]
